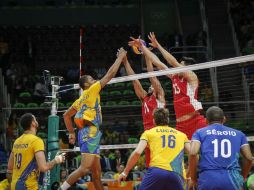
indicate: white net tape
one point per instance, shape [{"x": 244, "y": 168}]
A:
[
  {"x": 250, "y": 138},
  {"x": 123, "y": 146},
  {"x": 199, "y": 66},
  {"x": 122, "y": 118}
]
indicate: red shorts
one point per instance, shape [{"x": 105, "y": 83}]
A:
[
  {"x": 147, "y": 153},
  {"x": 189, "y": 126}
]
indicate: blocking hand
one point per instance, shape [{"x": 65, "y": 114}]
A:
[
  {"x": 121, "y": 53},
  {"x": 135, "y": 42},
  {"x": 154, "y": 43}
]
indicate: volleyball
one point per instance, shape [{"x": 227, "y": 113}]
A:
[{"x": 136, "y": 49}]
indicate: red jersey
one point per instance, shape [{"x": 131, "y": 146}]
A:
[
  {"x": 185, "y": 97},
  {"x": 149, "y": 104}
]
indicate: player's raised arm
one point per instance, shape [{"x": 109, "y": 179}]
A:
[
  {"x": 155, "y": 82},
  {"x": 140, "y": 92},
  {"x": 171, "y": 60},
  {"x": 114, "y": 68},
  {"x": 155, "y": 60},
  {"x": 168, "y": 56}
]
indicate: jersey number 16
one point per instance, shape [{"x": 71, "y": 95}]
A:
[{"x": 171, "y": 141}]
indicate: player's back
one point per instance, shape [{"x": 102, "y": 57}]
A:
[
  {"x": 220, "y": 147},
  {"x": 185, "y": 96},
  {"x": 149, "y": 104},
  {"x": 25, "y": 169},
  {"x": 167, "y": 148}
]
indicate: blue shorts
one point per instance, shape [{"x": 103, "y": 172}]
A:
[
  {"x": 220, "y": 180},
  {"x": 89, "y": 140},
  {"x": 160, "y": 179}
]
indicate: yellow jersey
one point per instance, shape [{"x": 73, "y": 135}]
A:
[
  {"x": 88, "y": 106},
  {"x": 4, "y": 184},
  {"x": 166, "y": 148},
  {"x": 25, "y": 170}
]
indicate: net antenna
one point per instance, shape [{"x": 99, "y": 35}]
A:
[{"x": 46, "y": 77}]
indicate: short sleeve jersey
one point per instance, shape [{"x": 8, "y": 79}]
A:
[
  {"x": 88, "y": 105},
  {"x": 220, "y": 147},
  {"x": 149, "y": 104},
  {"x": 185, "y": 97},
  {"x": 25, "y": 169},
  {"x": 166, "y": 148}
]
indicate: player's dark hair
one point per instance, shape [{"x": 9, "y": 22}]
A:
[
  {"x": 26, "y": 121},
  {"x": 82, "y": 81},
  {"x": 161, "y": 116},
  {"x": 188, "y": 60},
  {"x": 215, "y": 114}
]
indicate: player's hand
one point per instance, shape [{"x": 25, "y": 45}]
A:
[
  {"x": 154, "y": 43},
  {"x": 121, "y": 53},
  {"x": 191, "y": 184},
  {"x": 122, "y": 177},
  {"x": 135, "y": 42},
  {"x": 124, "y": 57},
  {"x": 72, "y": 138},
  {"x": 60, "y": 158}
]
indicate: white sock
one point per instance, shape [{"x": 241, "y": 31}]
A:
[{"x": 65, "y": 186}]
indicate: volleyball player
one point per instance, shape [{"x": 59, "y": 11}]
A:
[
  {"x": 167, "y": 145},
  {"x": 27, "y": 158},
  {"x": 184, "y": 85},
  {"x": 151, "y": 99},
  {"x": 88, "y": 118},
  {"x": 220, "y": 148}
]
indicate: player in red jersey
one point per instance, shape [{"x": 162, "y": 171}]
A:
[
  {"x": 185, "y": 88},
  {"x": 151, "y": 100}
]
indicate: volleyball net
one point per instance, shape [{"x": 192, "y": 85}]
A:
[{"x": 225, "y": 83}]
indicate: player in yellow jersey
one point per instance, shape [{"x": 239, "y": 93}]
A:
[
  {"x": 167, "y": 145},
  {"x": 27, "y": 158},
  {"x": 87, "y": 113}
]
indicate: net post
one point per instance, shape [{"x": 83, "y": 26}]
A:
[
  {"x": 52, "y": 175},
  {"x": 52, "y": 149}
]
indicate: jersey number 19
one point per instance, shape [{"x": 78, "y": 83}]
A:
[{"x": 18, "y": 160}]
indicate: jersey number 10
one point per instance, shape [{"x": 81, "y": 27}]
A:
[
  {"x": 224, "y": 144},
  {"x": 171, "y": 141},
  {"x": 18, "y": 159}
]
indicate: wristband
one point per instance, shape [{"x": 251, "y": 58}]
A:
[
  {"x": 70, "y": 135},
  {"x": 59, "y": 159},
  {"x": 124, "y": 174}
]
